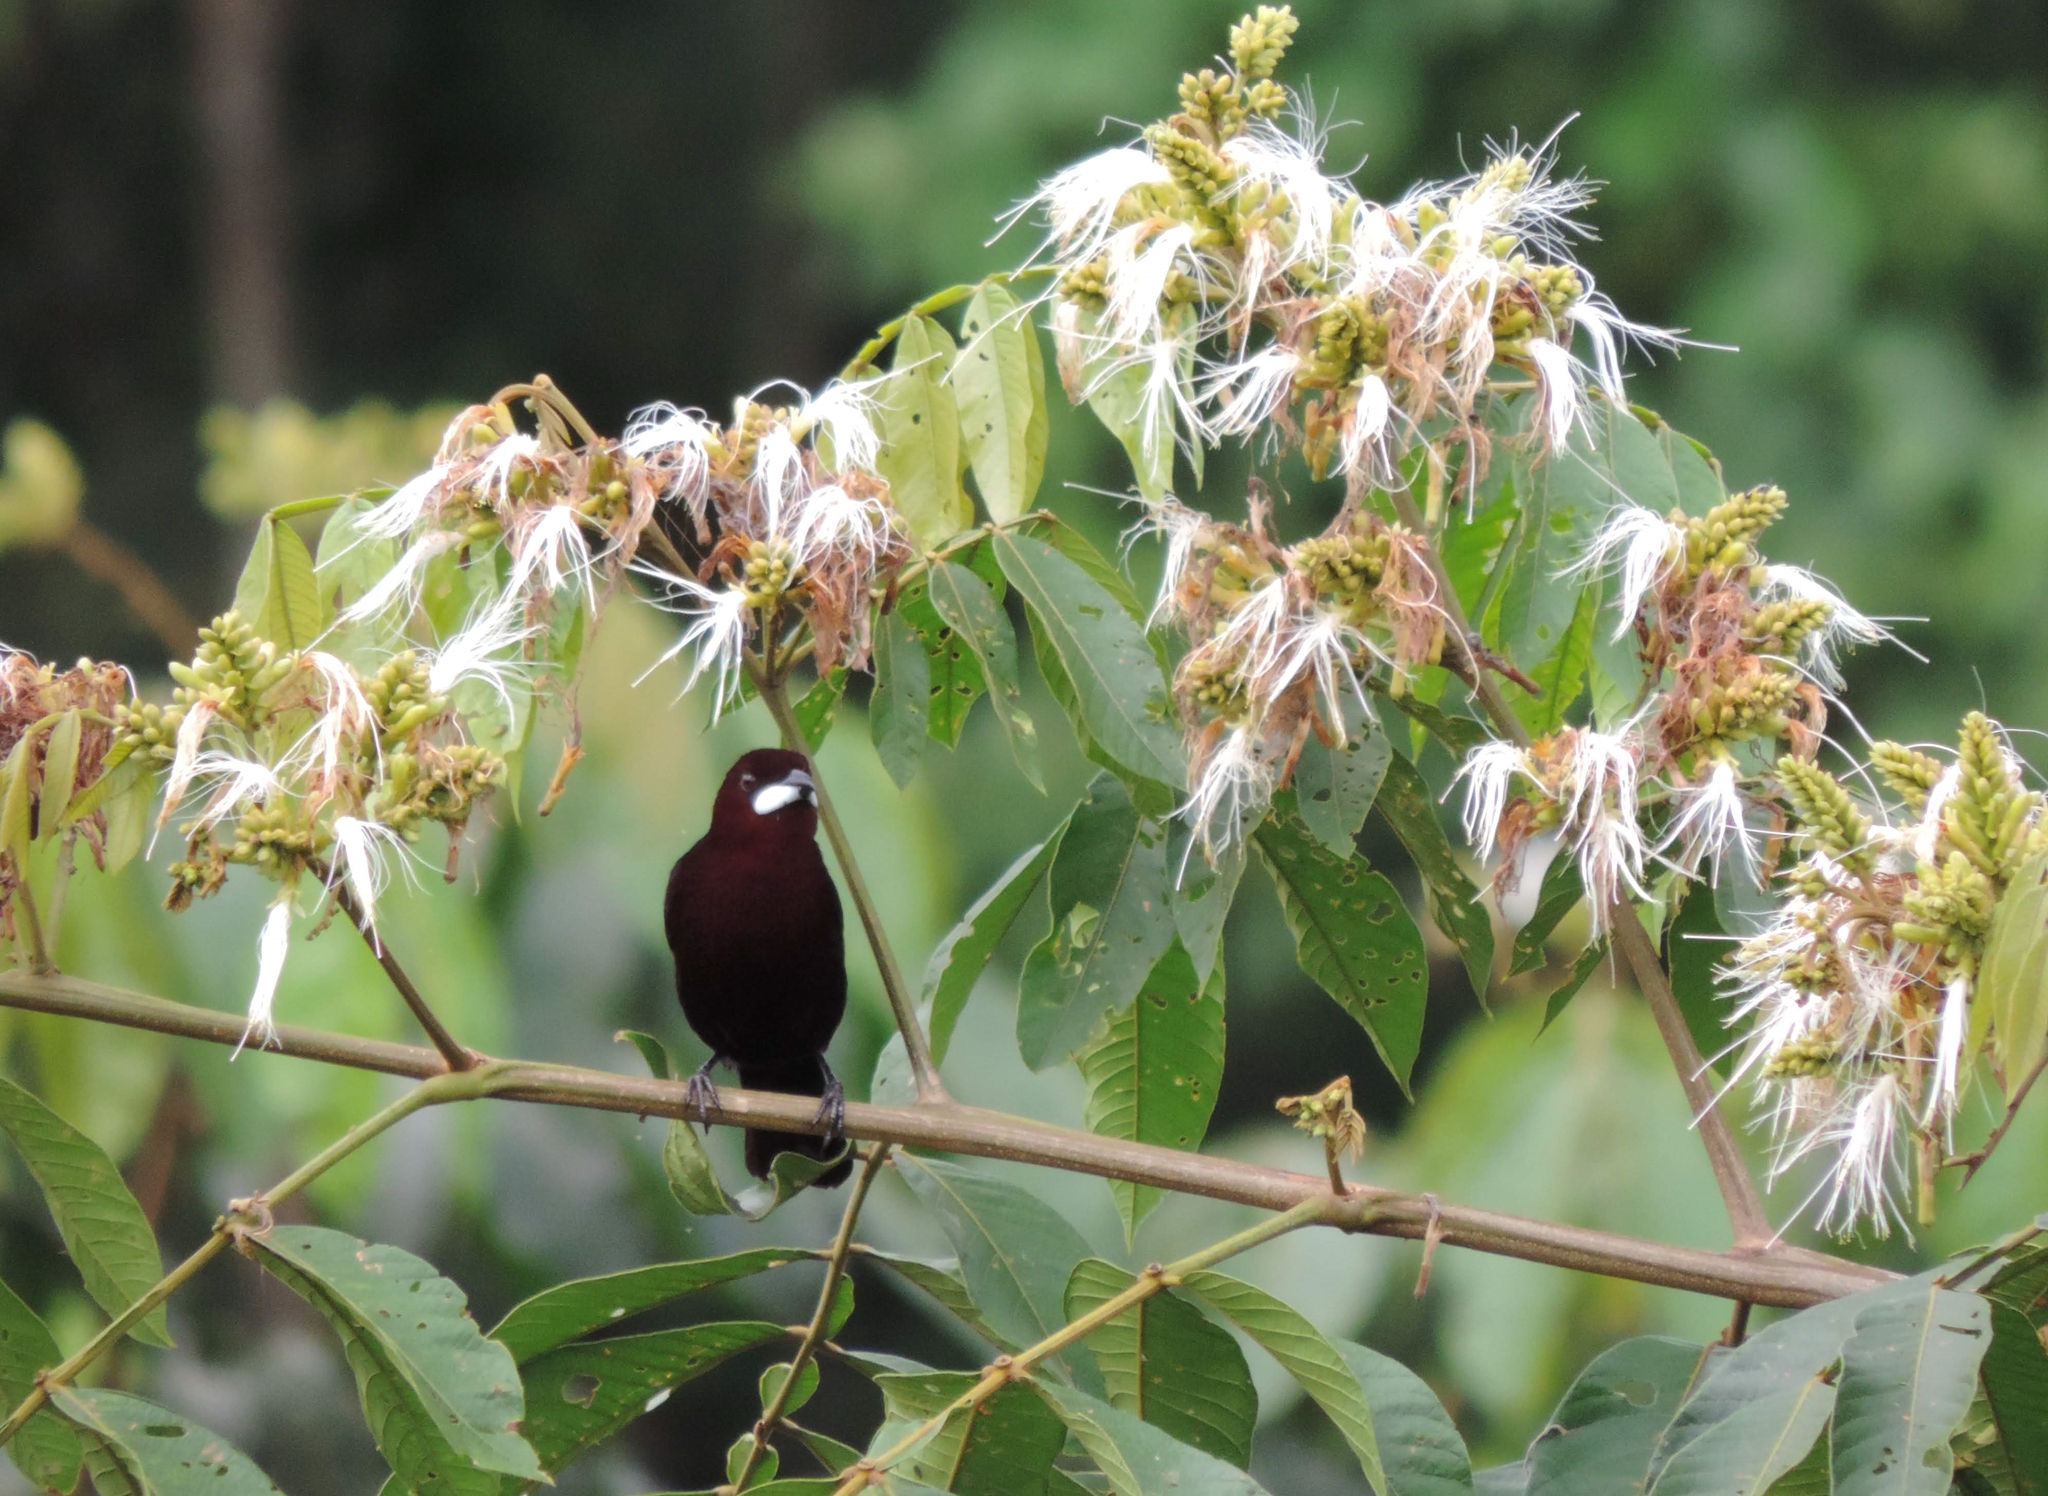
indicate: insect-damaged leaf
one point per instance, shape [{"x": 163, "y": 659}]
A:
[
  {"x": 1455, "y": 907},
  {"x": 958, "y": 961},
  {"x": 919, "y": 420},
  {"x": 557, "y": 1315},
  {"x": 970, "y": 610},
  {"x": 134, "y": 1445},
  {"x": 44, "y": 1449},
  {"x": 999, "y": 378}
]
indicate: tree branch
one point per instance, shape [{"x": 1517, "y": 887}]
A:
[
  {"x": 1747, "y": 1218},
  {"x": 1970, "y": 1163},
  {"x": 930, "y": 1089},
  {"x": 1785, "y": 1277}
]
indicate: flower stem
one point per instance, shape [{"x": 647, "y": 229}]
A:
[
  {"x": 814, "y": 1335},
  {"x": 451, "y": 1049},
  {"x": 929, "y": 1088},
  {"x": 32, "y": 927}
]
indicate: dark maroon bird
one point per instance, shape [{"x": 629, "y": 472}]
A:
[{"x": 755, "y": 926}]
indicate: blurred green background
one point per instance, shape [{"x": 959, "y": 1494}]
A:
[{"x": 224, "y": 204}]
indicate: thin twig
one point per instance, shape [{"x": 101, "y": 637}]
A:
[
  {"x": 1785, "y": 1278},
  {"x": 451, "y": 1049},
  {"x": 1970, "y": 1163},
  {"x": 814, "y": 1335},
  {"x": 930, "y": 1090},
  {"x": 1745, "y": 1207}
]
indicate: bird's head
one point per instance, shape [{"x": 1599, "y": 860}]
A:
[{"x": 769, "y": 787}]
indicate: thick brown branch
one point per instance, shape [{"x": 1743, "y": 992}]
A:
[{"x": 1782, "y": 1277}]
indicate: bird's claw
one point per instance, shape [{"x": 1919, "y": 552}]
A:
[
  {"x": 699, "y": 1093},
  {"x": 832, "y": 1110}
]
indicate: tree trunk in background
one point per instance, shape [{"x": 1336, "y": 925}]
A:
[{"x": 237, "y": 64}]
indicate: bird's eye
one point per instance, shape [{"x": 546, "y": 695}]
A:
[{"x": 746, "y": 781}]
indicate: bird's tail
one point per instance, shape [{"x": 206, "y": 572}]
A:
[{"x": 796, "y": 1075}]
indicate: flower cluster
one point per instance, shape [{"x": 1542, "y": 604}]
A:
[
  {"x": 1245, "y": 291},
  {"x": 1279, "y": 635},
  {"x": 795, "y": 525},
  {"x": 41, "y": 765},
  {"x": 1862, "y": 994}
]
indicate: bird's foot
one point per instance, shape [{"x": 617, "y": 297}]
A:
[
  {"x": 832, "y": 1110},
  {"x": 698, "y": 1091}
]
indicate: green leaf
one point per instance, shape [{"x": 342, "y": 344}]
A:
[
  {"x": 830, "y": 1453},
  {"x": 903, "y": 688},
  {"x": 1455, "y": 907},
  {"x": 60, "y": 773},
  {"x": 1000, "y": 380},
  {"x": 1119, "y": 693},
  {"x": 1559, "y": 895},
  {"x": 1307, "y": 1354},
  {"x": 818, "y": 708},
  {"x": 1694, "y": 946},
  {"x": 277, "y": 594},
  {"x": 1080, "y": 550},
  {"x": 44, "y": 1449},
  {"x": 1562, "y": 674},
  {"x": 1162, "y": 1360},
  {"x": 970, "y": 609},
  {"x": 1502, "y": 1480},
  {"x": 555, "y": 1316},
  {"x": 741, "y": 1451},
  {"x": 1016, "y": 1252},
  {"x": 1201, "y": 902},
  {"x": 1005, "y": 1448},
  {"x": 1474, "y": 548},
  {"x": 1351, "y": 933},
  {"x": 129, "y": 799},
  {"x": 942, "y": 1281},
  {"x": 1153, "y": 1077},
  {"x": 349, "y": 564},
  {"x": 1418, "y": 1443},
  {"x": 443, "y": 1403},
  {"x": 2015, "y": 1373},
  {"x": 960, "y": 958},
  {"x": 919, "y": 422},
  {"x": 1908, "y": 1374},
  {"x": 806, "y": 1383},
  {"x": 1459, "y": 734},
  {"x": 1746, "y": 1452},
  {"x": 1335, "y": 787},
  {"x": 695, "y": 1183},
  {"x": 580, "y": 1395},
  {"x": 1600, "y": 1438},
  {"x": 1582, "y": 970},
  {"x": 159, "y": 1452},
  {"x": 1112, "y": 919},
  {"x": 1115, "y": 391},
  {"x": 1693, "y": 468},
  {"x": 1139, "y": 1459},
  {"x": 103, "y": 1228},
  {"x": 2012, "y": 985},
  {"x": 15, "y": 799}
]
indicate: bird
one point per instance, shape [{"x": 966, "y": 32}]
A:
[{"x": 755, "y": 925}]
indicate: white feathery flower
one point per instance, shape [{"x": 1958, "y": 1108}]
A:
[
  {"x": 1606, "y": 838},
  {"x": 344, "y": 715},
  {"x": 845, "y": 413},
  {"x": 478, "y": 652},
  {"x": 1141, "y": 260},
  {"x": 1319, "y": 647},
  {"x": 1869, "y": 1172},
  {"x": 1364, "y": 443},
  {"x": 718, "y": 619},
  {"x": 1488, "y": 773},
  {"x": 1257, "y": 628},
  {"x": 273, "y": 944},
  {"x": 1608, "y": 332},
  {"x": 1233, "y": 785},
  {"x": 549, "y": 545},
  {"x": 1080, "y": 202},
  {"x": 1712, "y": 817},
  {"x": 1180, "y": 527},
  {"x": 1266, "y": 154},
  {"x": 1557, "y": 381},
  {"x": 1641, "y": 547},
  {"x": 400, "y": 514},
  {"x": 1927, "y": 833},
  {"x": 681, "y": 439},
  {"x": 399, "y": 588},
  {"x": 778, "y": 479},
  {"x": 1844, "y": 627},
  {"x": 1945, "y": 1088},
  {"x": 234, "y": 785},
  {"x": 185, "y": 761},
  {"x": 493, "y": 478},
  {"x": 1256, "y": 387},
  {"x": 834, "y": 525},
  {"x": 363, "y": 853}
]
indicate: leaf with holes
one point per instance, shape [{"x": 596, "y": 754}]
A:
[
  {"x": 955, "y": 673},
  {"x": 999, "y": 377},
  {"x": 44, "y": 1449},
  {"x": 1351, "y": 933},
  {"x": 1335, "y": 787},
  {"x": 103, "y": 1228},
  {"x": 1745, "y": 1453},
  {"x": 1418, "y": 1444},
  {"x": 1561, "y": 676},
  {"x": 818, "y": 708},
  {"x": 1163, "y": 1360},
  {"x": 958, "y": 962},
  {"x": 1908, "y": 1374},
  {"x": 902, "y": 696},
  {"x": 1559, "y": 895},
  {"x": 1153, "y": 1077},
  {"x": 1112, "y": 919},
  {"x": 1601, "y": 1436},
  {"x": 555, "y": 1316},
  {"x": 1004, "y": 1448},
  {"x": 1455, "y": 907},
  {"x": 1307, "y": 1354},
  {"x": 136, "y": 1445},
  {"x": 918, "y": 418},
  {"x": 970, "y": 609},
  {"x": 443, "y": 1403},
  {"x": 580, "y": 1395}
]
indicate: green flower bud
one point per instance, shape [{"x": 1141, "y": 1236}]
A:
[
  {"x": 1910, "y": 773},
  {"x": 1260, "y": 40},
  {"x": 1826, "y": 813}
]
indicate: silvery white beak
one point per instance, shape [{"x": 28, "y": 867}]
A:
[{"x": 794, "y": 786}]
